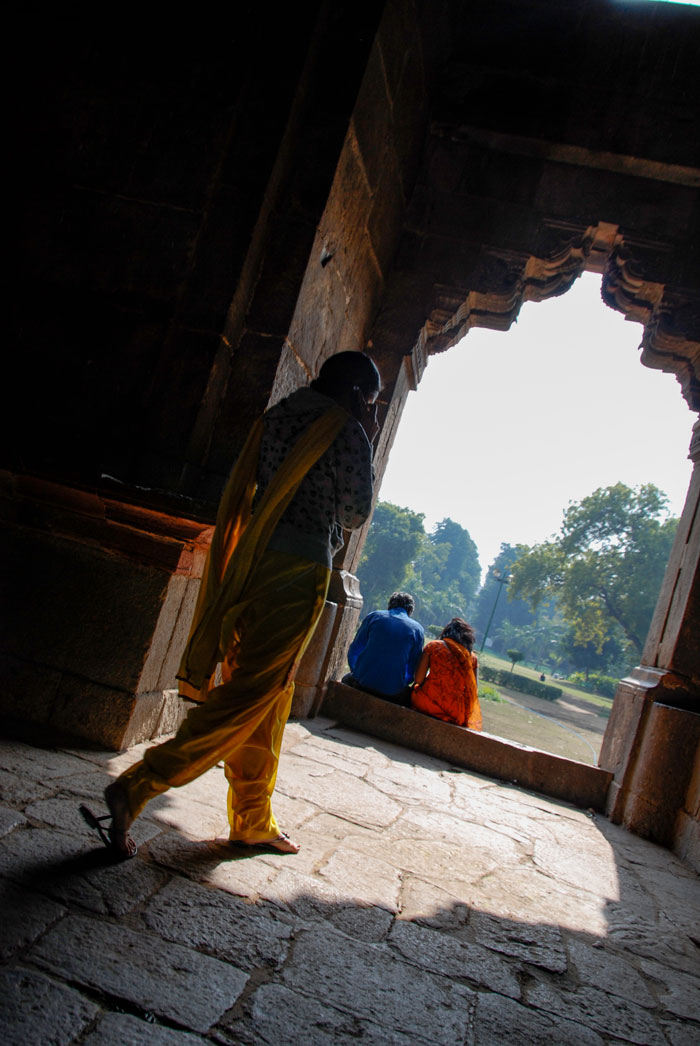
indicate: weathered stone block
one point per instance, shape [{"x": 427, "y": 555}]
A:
[
  {"x": 26, "y": 916},
  {"x": 81, "y": 610},
  {"x": 595, "y": 1009},
  {"x": 35, "y": 1009},
  {"x": 366, "y": 979},
  {"x": 442, "y": 954},
  {"x": 247, "y": 935},
  {"x": 524, "y": 1024},
  {"x": 169, "y": 980},
  {"x": 120, "y": 1029}
]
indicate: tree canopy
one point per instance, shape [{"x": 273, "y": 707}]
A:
[
  {"x": 605, "y": 567},
  {"x": 440, "y": 569},
  {"x": 393, "y": 542}
]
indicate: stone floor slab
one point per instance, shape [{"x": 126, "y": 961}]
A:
[
  {"x": 524, "y": 894},
  {"x": 339, "y": 793},
  {"x": 214, "y": 922},
  {"x": 537, "y": 944},
  {"x": 191, "y": 818},
  {"x": 36, "y": 1010},
  {"x": 247, "y": 877},
  {"x": 121, "y": 1029},
  {"x": 306, "y": 896},
  {"x": 367, "y": 980},
  {"x": 10, "y": 819},
  {"x": 681, "y": 1033},
  {"x": 195, "y": 858},
  {"x": 450, "y": 957},
  {"x": 363, "y": 879},
  {"x": 596, "y": 1009},
  {"x": 40, "y": 764},
  {"x": 498, "y": 1021},
  {"x": 428, "y": 905},
  {"x": 192, "y": 989},
  {"x": 321, "y": 750},
  {"x": 361, "y": 923},
  {"x": 595, "y": 965},
  {"x": 410, "y": 784},
  {"x": 280, "y": 1015},
  {"x": 99, "y": 884},
  {"x": 494, "y": 845},
  {"x": 17, "y": 790},
  {"x": 677, "y": 992},
  {"x": 25, "y": 916}
]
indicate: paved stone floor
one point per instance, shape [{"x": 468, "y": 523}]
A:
[{"x": 427, "y": 905}]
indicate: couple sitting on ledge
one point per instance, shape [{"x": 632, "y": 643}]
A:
[{"x": 387, "y": 660}]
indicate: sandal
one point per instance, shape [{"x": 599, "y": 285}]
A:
[{"x": 116, "y": 836}]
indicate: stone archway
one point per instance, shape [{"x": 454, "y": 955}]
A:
[
  {"x": 200, "y": 235},
  {"x": 652, "y": 738}
]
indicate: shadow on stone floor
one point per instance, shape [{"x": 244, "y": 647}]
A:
[{"x": 452, "y": 908}]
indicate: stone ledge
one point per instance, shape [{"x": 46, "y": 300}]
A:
[{"x": 577, "y": 783}]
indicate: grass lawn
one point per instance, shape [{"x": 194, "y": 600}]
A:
[
  {"x": 568, "y": 689},
  {"x": 572, "y": 726}
]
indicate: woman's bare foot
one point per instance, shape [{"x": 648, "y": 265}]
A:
[
  {"x": 280, "y": 844},
  {"x": 118, "y": 831},
  {"x": 284, "y": 844}
]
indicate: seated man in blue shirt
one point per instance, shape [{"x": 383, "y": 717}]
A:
[{"x": 385, "y": 652}]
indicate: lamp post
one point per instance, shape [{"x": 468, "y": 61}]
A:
[{"x": 501, "y": 579}]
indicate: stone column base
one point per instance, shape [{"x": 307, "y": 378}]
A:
[
  {"x": 325, "y": 655},
  {"x": 653, "y": 750}
]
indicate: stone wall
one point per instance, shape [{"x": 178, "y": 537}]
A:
[{"x": 99, "y": 595}]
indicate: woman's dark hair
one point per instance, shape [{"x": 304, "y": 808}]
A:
[
  {"x": 346, "y": 369},
  {"x": 458, "y": 630}
]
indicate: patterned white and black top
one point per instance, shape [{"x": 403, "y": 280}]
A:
[{"x": 335, "y": 494}]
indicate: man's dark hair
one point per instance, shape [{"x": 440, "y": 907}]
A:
[
  {"x": 347, "y": 369},
  {"x": 461, "y": 632},
  {"x": 401, "y": 601}
]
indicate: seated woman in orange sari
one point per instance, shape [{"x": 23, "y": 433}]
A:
[{"x": 446, "y": 686}]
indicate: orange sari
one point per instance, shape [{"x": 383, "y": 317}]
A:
[{"x": 450, "y": 691}]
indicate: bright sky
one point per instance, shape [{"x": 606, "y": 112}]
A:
[{"x": 507, "y": 428}]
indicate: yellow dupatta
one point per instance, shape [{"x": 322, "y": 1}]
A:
[{"x": 223, "y": 588}]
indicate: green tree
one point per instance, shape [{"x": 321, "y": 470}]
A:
[
  {"x": 445, "y": 574},
  {"x": 604, "y": 568},
  {"x": 514, "y": 656},
  {"x": 393, "y": 542},
  {"x": 588, "y": 658},
  {"x": 461, "y": 566}
]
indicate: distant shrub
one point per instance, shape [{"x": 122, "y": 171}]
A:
[
  {"x": 521, "y": 683},
  {"x": 604, "y": 686},
  {"x": 489, "y": 693}
]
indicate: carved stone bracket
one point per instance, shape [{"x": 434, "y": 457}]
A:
[
  {"x": 564, "y": 252},
  {"x": 671, "y": 316},
  {"x": 634, "y": 275}
]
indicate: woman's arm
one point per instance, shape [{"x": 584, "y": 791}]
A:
[{"x": 423, "y": 666}]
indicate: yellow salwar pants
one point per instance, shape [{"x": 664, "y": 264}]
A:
[{"x": 242, "y": 721}]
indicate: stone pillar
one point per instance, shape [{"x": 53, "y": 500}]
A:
[
  {"x": 102, "y": 593},
  {"x": 651, "y": 743},
  {"x": 324, "y": 657}
]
